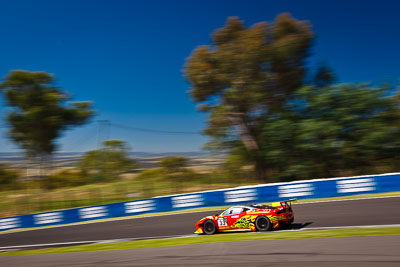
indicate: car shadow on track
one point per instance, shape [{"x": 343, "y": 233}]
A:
[
  {"x": 297, "y": 226},
  {"x": 293, "y": 226}
]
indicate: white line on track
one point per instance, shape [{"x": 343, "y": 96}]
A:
[
  {"x": 178, "y": 236},
  {"x": 95, "y": 241}
]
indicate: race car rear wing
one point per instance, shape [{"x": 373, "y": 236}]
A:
[{"x": 287, "y": 203}]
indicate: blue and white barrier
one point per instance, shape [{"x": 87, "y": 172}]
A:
[{"x": 319, "y": 188}]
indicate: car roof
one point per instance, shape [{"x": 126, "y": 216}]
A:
[
  {"x": 243, "y": 206},
  {"x": 253, "y": 206}
]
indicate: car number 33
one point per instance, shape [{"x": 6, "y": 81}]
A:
[{"x": 222, "y": 222}]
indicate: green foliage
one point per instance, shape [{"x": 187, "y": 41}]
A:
[
  {"x": 235, "y": 168},
  {"x": 39, "y": 113},
  {"x": 8, "y": 178},
  {"x": 245, "y": 76},
  {"x": 334, "y": 130},
  {"x": 250, "y": 81},
  {"x": 102, "y": 165},
  {"x": 173, "y": 164},
  {"x": 324, "y": 76},
  {"x": 175, "y": 170},
  {"x": 107, "y": 163},
  {"x": 151, "y": 174},
  {"x": 148, "y": 178},
  {"x": 63, "y": 178}
]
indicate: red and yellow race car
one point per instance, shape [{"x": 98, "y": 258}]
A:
[{"x": 248, "y": 218}]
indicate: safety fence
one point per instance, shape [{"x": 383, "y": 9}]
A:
[{"x": 306, "y": 189}]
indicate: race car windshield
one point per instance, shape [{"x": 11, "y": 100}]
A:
[
  {"x": 225, "y": 212},
  {"x": 232, "y": 211}
]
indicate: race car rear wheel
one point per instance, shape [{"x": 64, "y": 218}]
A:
[
  {"x": 209, "y": 227},
  {"x": 263, "y": 223}
]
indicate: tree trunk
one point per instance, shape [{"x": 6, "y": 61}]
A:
[
  {"x": 251, "y": 145},
  {"x": 261, "y": 169}
]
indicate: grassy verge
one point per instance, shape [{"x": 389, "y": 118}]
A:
[{"x": 373, "y": 231}]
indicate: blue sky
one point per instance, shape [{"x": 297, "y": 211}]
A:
[{"x": 127, "y": 56}]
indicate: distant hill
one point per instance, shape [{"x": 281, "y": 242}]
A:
[
  {"x": 19, "y": 156},
  {"x": 145, "y": 159}
]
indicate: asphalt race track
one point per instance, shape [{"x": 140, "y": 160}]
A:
[
  {"x": 378, "y": 211},
  {"x": 365, "y": 251}
]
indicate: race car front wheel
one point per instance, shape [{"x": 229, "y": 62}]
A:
[
  {"x": 209, "y": 227},
  {"x": 263, "y": 223}
]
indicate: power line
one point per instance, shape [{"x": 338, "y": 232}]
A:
[
  {"x": 152, "y": 130},
  {"x": 83, "y": 138},
  {"x": 127, "y": 127},
  {"x": 103, "y": 132}
]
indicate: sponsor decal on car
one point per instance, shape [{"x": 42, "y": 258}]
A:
[
  {"x": 246, "y": 222},
  {"x": 222, "y": 222}
]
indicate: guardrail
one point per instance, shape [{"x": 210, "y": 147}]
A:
[{"x": 319, "y": 188}]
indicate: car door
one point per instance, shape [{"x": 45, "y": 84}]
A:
[
  {"x": 235, "y": 214},
  {"x": 238, "y": 222}
]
